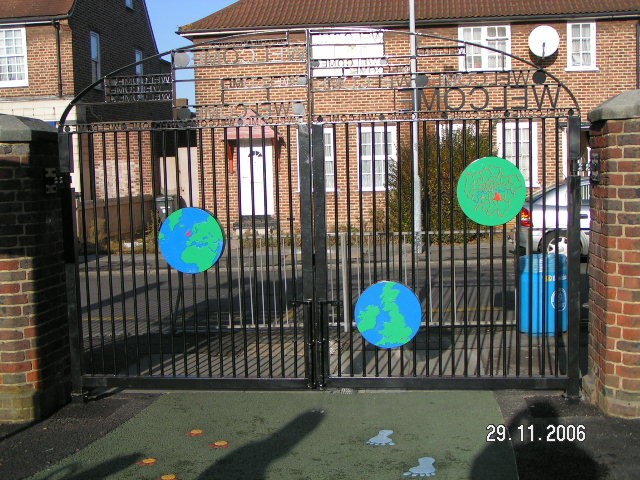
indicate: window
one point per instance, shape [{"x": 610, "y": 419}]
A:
[
  {"x": 518, "y": 143},
  {"x": 129, "y": 4},
  {"x": 581, "y": 46},
  {"x": 377, "y": 152},
  {"x": 329, "y": 161},
  {"x": 13, "y": 57},
  {"x": 95, "y": 57},
  {"x": 478, "y": 58},
  {"x": 139, "y": 66},
  {"x": 338, "y": 54}
]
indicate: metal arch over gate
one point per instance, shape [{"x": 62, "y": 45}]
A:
[{"x": 330, "y": 159}]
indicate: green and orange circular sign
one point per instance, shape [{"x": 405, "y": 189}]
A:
[{"x": 491, "y": 191}]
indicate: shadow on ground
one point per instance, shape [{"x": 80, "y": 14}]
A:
[
  {"x": 252, "y": 460},
  {"x": 543, "y": 452}
]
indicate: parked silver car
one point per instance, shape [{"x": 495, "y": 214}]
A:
[{"x": 543, "y": 221}]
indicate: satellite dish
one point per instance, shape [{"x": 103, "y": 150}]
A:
[{"x": 544, "y": 41}]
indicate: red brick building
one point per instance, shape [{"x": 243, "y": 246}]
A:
[
  {"x": 252, "y": 75},
  {"x": 52, "y": 51}
]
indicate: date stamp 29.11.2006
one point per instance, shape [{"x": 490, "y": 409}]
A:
[{"x": 550, "y": 433}]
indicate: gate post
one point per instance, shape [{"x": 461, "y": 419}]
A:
[
  {"x": 34, "y": 335},
  {"x": 573, "y": 261},
  {"x": 613, "y": 381}
]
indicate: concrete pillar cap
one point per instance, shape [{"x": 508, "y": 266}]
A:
[
  {"x": 23, "y": 130},
  {"x": 621, "y": 107}
]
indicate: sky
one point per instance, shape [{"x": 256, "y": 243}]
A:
[{"x": 167, "y": 15}]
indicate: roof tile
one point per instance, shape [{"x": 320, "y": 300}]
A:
[{"x": 33, "y": 8}]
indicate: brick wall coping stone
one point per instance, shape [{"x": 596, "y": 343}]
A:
[
  {"x": 621, "y": 107},
  {"x": 23, "y": 130}
]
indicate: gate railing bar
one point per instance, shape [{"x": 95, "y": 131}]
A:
[
  {"x": 292, "y": 252},
  {"x": 573, "y": 268},
  {"x": 133, "y": 253},
  {"x": 74, "y": 313},
  {"x": 229, "y": 257},
  {"x": 321, "y": 327},
  {"x": 308, "y": 260}
]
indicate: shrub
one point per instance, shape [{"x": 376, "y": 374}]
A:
[{"x": 443, "y": 156}]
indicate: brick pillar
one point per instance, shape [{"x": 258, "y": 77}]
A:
[
  {"x": 613, "y": 381},
  {"x": 34, "y": 335}
]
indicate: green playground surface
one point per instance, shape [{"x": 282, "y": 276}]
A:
[{"x": 298, "y": 435}]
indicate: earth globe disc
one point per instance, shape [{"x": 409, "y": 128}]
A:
[
  {"x": 191, "y": 240},
  {"x": 388, "y": 314},
  {"x": 491, "y": 191}
]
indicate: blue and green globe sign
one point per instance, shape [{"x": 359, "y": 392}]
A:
[
  {"x": 491, "y": 191},
  {"x": 191, "y": 240},
  {"x": 388, "y": 314}
]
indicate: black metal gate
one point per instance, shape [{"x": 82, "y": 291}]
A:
[{"x": 327, "y": 175}]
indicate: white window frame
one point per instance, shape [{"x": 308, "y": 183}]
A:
[
  {"x": 485, "y": 54},
  {"x": 382, "y": 157},
  {"x": 329, "y": 159},
  {"x": 22, "y": 82},
  {"x": 533, "y": 179},
  {"x": 95, "y": 56},
  {"x": 340, "y": 54},
  {"x": 571, "y": 66}
]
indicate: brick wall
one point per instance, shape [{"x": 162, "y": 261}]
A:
[
  {"x": 614, "y": 260},
  {"x": 34, "y": 346}
]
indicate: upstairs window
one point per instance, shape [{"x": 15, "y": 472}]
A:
[
  {"x": 478, "y": 58},
  {"x": 129, "y": 4},
  {"x": 13, "y": 57},
  {"x": 96, "y": 67},
  {"x": 581, "y": 46}
]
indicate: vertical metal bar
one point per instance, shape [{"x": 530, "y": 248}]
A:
[
  {"x": 84, "y": 197},
  {"x": 116, "y": 162},
  {"x": 440, "y": 241},
  {"x": 279, "y": 300},
  {"x": 292, "y": 247},
  {"x": 216, "y": 211},
  {"x": 144, "y": 220},
  {"x": 108, "y": 237},
  {"x": 573, "y": 267},
  {"x": 267, "y": 242},
  {"x": 133, "y": 255},
  {"x": 69, "y": 231},
  {"x": 242, "y": 279},
  {"x": 478, "y": 273},
  {"x": 156, "y": 189},
  {"x": 230, "y": 296},
  {"x": 308, "y": 260},
  {"x": 348, "y": 301},
  {"x": 427, "y": 227},
  {"x": 321, "y": 323},
  {"x": 465, "y": 258},
  {"x": 452, "y": 240},
  {"x": 361, "y": 232}
]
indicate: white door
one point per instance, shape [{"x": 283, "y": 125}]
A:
[{"x": 256, "y": 177}]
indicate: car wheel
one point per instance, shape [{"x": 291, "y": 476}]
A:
[{"x": 556, "y": 242}]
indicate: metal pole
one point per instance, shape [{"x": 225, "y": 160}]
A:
[
  {"x": 573, "y": 266},
  {"x": 417, "y": 206}
]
